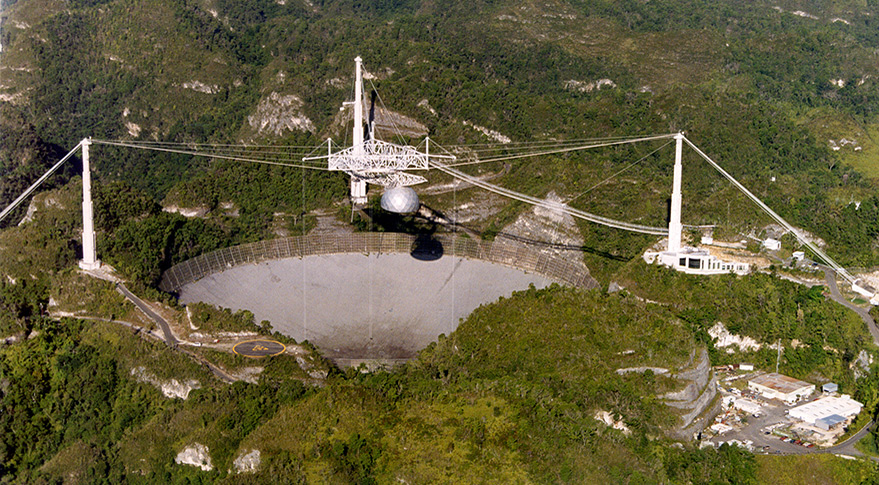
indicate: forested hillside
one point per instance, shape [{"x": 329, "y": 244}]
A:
[
  {"x": 784, "y": 95},
  {"x": 766, "y": 89}
]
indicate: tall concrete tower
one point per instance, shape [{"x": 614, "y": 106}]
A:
[
  {"x": 358, "y": 185},
  {"x": 89, "y": 251},
  {"x": 674, "y": 222}
]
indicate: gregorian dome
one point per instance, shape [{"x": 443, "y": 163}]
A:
[{"x": 402, "y": 200}]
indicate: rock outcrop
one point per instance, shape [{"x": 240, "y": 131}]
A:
[
  {"x": 695, "y": 400},
  {"x": 171, "y": 388},
  {"x": 279, "y": 113},
  {"x": 195, "y": 454},
  {"x": 247, "y": 462}
]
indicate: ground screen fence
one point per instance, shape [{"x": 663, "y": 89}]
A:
[{"x": 501, "y": 251}]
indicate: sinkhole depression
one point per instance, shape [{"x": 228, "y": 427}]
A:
[{"x": 367, "y": 296}]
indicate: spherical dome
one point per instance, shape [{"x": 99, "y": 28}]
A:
[{"x": 402, "y": 200}]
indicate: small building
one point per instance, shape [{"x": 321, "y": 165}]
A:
[
  {"x": 747, "y": 406},
  {"x": 798, "y": 256},
  {"x": 728, "y": 401},
  {"x": 831, "y": 422},
  {"x": 778, "y": 386},
  {"x": 863, "y": 289},
  {"x": 772, "y": 244},
  {"x": 707, "y": 240},
  {"x": 827, "y": 406},
  {"x": 744, "y": 366},
  {"x": 830, "y": 387}
]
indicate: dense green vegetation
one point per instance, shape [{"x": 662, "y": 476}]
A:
[
  {"x": 511, "y": 395},
  {"x": 743, "y": 89}
]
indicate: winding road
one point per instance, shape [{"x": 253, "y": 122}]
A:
[
  {"x": 170, "y": 339},
  {"x": 836, "y": 296}
]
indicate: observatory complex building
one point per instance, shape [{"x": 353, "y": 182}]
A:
[{"x": 781, "y": 387}]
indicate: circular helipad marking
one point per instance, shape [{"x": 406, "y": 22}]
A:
[{"x": 259, "y": 348}]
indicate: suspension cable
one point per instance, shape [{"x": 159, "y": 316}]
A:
[
  {"x": 39, "y": 182},
  {"x": 821, "y": 254},
  {"x": 209, "y": 155},
  {"x": 563, "y": 150}
]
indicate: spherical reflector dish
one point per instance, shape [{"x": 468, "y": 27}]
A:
[{"x": 402, "y": 200}]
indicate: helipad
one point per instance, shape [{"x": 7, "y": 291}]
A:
[{"x": 259, "y": 348}]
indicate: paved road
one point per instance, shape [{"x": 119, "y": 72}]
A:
[
  {"x": 169, "y": 337},
  {"x": 830, "y": 275},
  {"x": 848, "y": 446}
]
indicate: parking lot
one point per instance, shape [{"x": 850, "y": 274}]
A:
[{"x": 759, "y": 428}]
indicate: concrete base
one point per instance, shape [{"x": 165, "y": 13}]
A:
[{"x": 90, "y": 266}]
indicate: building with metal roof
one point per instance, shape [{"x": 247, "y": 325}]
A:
[
  {"x": 830, "y": 387},
  {"x": 778, "y": 386},
  {"x": 830, "y": 422},
  {"x": 824, "y": 409}
]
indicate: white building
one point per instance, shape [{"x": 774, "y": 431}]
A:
[
  {"x": 747, "y": 406},
  {"x": 863, "y": 289},
  {"x": 820, "y": 411},
  {"x": 772, "y": 244},
  {"x": 778, "y": 386},
  {"x": 696, "y": 261}
]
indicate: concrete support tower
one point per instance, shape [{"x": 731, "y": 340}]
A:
[
  {"x": 674, "y": 223},
  {"x": 358, "y": 185},
  {"x": 89, "y": 252}
]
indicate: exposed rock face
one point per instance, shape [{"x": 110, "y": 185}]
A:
[
  {"x": 861, "y": 365},
  {"x": 202, "y": 87},
  {"x": 279, "y": 113},
  {"x": 494, "y": 135},
  {"x": 248, "y": 374},
  {"x": 588, "y": 87},
  {"x": 547, "y": 230},
  {"x": 36, "y": 204},
  {"x": 723, "y": 338},
  {"x": 606, "y": 418},
  {"x": 695, "y": 398},
  {"x": 171, "y": 388},
  {"x": 655, "y": 370},
  {"x": 247, "y": 462},
  {"x": 188, "y": 212},
  {"x": 195, "y": 454}
]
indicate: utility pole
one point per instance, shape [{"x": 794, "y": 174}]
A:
[{"x": 778, "y": 357}]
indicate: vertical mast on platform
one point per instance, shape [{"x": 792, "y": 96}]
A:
[
  {"x": 674, "y": 223},
  {"x": 358, "y": 185},
  {"x": 89, "y": 251}
]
